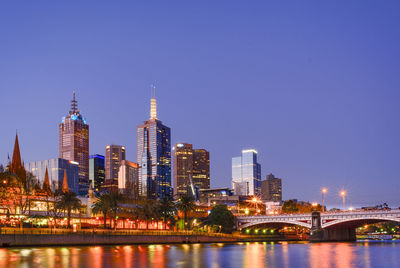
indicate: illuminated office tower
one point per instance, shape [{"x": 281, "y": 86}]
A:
[
  {"x": 271, "y": 189},
  {"x": 97, "y": 172},
  {"x": 154, "y": 156},
  {"x": 128, "y": 179},
  {"x": 191, "y": 169},
  {"x": 115, "y": 154},
  {"x": 246, "y": 173},
  {"x": 74, "y": 143}
]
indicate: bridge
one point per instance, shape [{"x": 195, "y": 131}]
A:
[{"x": 337, "y": 226}]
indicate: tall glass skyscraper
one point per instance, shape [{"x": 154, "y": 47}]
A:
[
  {"x": 115, "y": 154},
  {"x": 96, "y": 172},
  {"x": 246, "y": 173},
  {"x": 74, "y": 143},
  {"x": 154, "y": 157}
]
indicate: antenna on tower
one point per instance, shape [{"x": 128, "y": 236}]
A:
[{"x": 74, "y": 104}]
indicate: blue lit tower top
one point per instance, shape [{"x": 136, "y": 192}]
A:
[
  {"x": 74, "y": 113},
  {"x": 74, "y": 143}
]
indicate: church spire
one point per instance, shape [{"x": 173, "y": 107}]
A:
[
  {"x": 74, "y": 104},
  {"x": 153, "y": 103},
  {"x": 46, "y": 182},
  {"x": 65, "y": 188},
  {"x": 16, "y": 163}
]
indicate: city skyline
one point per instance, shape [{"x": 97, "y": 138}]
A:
[{"x": 321, "y": 112}]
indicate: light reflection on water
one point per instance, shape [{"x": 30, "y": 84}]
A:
[{"x": 257, "y": 254}]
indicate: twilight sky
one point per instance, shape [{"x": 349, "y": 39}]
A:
[{"x": 314, "y": 86}]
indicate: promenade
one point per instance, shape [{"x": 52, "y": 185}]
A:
[{"x": 64, "y": 237}]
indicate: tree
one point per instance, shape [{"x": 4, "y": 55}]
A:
[
  {"x": 290, "y": 206},
  {"x": 222, "y": 217},
  {"x": 147, "y": 211},
  {"x": 186, "y": 204},
  {"x": 166, "y": 210},
  {"x": 102, "y": 205},
  {"x": 115, "y": 200},
  {"x": 68, "y": 202}
]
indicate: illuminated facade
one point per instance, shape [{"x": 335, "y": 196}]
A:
[
  {"x": 56, "y": 168},
  {"x": 246, "y": 173},
  {"x": 96, "y": 172},
  {"x": 191, "y": 169},
  {"x": 115, "y": 154},
  {"x": 154, "y": 157},
  {"x": 128, "y": 179},
  {"x": 74, "y": 143},
  {"x": 271, "y": 189}
]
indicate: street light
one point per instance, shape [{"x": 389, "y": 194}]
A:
[
  {"x": 343, "y": 194},
  {"x": 324, "y": 190}
]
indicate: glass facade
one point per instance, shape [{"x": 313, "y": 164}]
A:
[
  {"x": 56, "y": 167},
  {"x": 154, "y": 158},
  {"x": 128, "y": 179},
  {"x": 115, "y": 154},
  {"x": 246, "y": 173},
  {"x": 96, "y": 172},
  {"x": 271, "y": 189},
  {"x": 74, "y": 143},
  {"x": 191, "y": 169}
]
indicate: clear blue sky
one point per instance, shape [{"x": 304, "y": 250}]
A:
[{"x": 314, "y": 86}]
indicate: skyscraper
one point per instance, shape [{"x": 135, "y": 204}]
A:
[
  {"x": 128, "y": 179},
  {"x": 115, "y": 154},
  {"x": 191, "y": 169},
  {"x": 96, "y": 172},
  {"x": 154, "y": 156},
  {"x": 271, "y": 189},
  {"x": 74, "y": 143},
  {"x": 246, "y": 173}
]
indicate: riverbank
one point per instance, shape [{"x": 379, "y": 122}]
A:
[{"x": 41, "y": 238}]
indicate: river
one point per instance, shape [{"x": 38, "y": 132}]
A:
[{"x": 253, "y": 255}]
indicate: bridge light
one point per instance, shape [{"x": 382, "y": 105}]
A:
[
  {"x": 272, "y": 231},
  {"x": 314, "y": 204},
  {"x": 324, "y": 190},
  {"x": 351, "y": 208},
  {"x": 256, "y": 231},
  {"x": 264, "y": 231},
  {"x": 247, "y": 231}
]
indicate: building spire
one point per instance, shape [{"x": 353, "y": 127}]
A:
[
  {"x": 153, "y": 103},
  {"x": 16, "y": 162},
  {"x": 46, "y": 182},
  {"x": 65, "y": 188},
  {"x": 74, "y": 104}
]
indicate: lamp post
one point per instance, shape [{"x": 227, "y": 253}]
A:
[
  {"x": 324, "y": 190},
  {"x": 343, "y": 194}
]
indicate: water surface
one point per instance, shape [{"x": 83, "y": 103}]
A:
[{"x": 254, "y": 255}]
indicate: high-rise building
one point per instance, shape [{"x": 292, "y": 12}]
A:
[
  {"x": 96, "y": 172},
  {"x": 191, "y": 169},
  {"x": 115, "y": 154},
  {"x": 246, "y": 173},
  {"x": 74, "y": 143},
  {"x": 271, "y": 189},
  {"x": 56, "y": 168},
  {"x": 154, "y": 156},
  {"x": 128, "y": 179}
]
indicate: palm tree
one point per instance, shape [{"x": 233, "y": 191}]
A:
[
  {"x": 115, "y": 200},
  {"x": 102, "y": 205},
  {"x": 68, "y": 202},
  {"x": 186, "y": 204},
  {"x": 146, "y": 211},
  {"x": 166, "y": 210}
]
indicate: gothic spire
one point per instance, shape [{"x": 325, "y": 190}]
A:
[
  {"x": 16, "y": 163},
  {"x": 65, "y": 188},
  {"x": 46, "y": 182}
]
